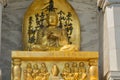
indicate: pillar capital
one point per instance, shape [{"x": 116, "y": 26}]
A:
[
  {"x": 3, "y": 2},
  {"x": 104, "y": 3}
]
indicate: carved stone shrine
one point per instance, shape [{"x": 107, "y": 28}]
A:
[{"x": 51, "y": 42}]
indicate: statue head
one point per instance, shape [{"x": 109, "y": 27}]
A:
[
  {"x": 29, "y": 65},
  {"x": 52, "y": 19},
  {"x": 35, "y": 66},
  {"x": 43, "y": 65},
  {"x": 81, "y": 64},
  {"x": 74, "y": 65},
  {"x": 67, "y": 65}
]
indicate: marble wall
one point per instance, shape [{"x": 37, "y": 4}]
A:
[{"x": 12, "y": 28}]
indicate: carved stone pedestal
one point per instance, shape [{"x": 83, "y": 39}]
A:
[{"x": 43, "y": 65}]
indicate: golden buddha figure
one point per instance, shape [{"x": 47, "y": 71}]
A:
[
  {"x": 50, "y": 30},
  {"x": 50, "y": 37},
  {"x": 35, "y": 71},
  {"x": 82, "y": 71},
  {"x": 75, "y": 71},
  {"x": 28, "y": 72},
  {"x": 66, "y": 73},
  {"x": 43, "y": 75}
]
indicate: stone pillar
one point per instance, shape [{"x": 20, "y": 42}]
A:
[
  {"x": 3, "y": 3},
  {"x": 16, "y": 69},
  {"x": 111, "y": 40},
  {"x": 0, "y": 74}
]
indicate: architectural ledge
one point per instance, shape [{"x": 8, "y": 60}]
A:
[
  {"x": 3, "y": 2},
  {"x": 104, "y": 3},
  {"x": 113, "y": 75}
]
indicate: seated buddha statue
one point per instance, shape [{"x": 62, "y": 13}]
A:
[
  {"x": 66, "y": 73},
  {"x": 82, "y": 71},
  {"x": 28, "y": 72},
  {"x": 50, "y": 37}
]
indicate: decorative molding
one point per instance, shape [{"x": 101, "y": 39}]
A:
[
  {"x": 3, "y": 2},
  {"x": 104, "y": 3},
  {"x": 113, "y": 75}
]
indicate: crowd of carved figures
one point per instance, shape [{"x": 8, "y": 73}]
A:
[
  {"x": 74, "y": 71},
  {"x": 35, "y": 73}
]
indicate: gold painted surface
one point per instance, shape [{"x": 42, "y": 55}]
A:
[
  {"x": 55, "y": 65},
  {"x": 51, "y": 40},
  {"x": 58, "y": 36},
  {"x": 54, "y": 55}
]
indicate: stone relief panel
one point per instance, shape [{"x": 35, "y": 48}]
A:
[{"x": 51, "y": 70}]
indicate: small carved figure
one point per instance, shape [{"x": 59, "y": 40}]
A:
[
  {"x": 28, "y": 72},
  {"x": 35, "y": 71},
  {"x": 82, "y": 71},
  {"x": 55, "y": 70},
  {"x": 75, "y": 71},
  {"x": 44, "y": 75},
  {"x": 43, "y": 68},
  {"x": 66, "y": 73},
  {"x": 93, "y": 70}
]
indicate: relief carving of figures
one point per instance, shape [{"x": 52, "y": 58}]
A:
[
  {"x": 71, "y": 71},
  {"x": 74, "y": 72},
  {"x": 36, "y": 73}
]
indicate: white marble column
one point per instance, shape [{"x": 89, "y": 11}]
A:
[
  {"x": 3, "y": 3},
  {"x": 111, "y": 52},
  {"x": 0, "y": 75}
]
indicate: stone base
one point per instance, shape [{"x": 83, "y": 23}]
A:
[
  {"x": 21, "y": 59},
  {"x": 113, "y": 75}
]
